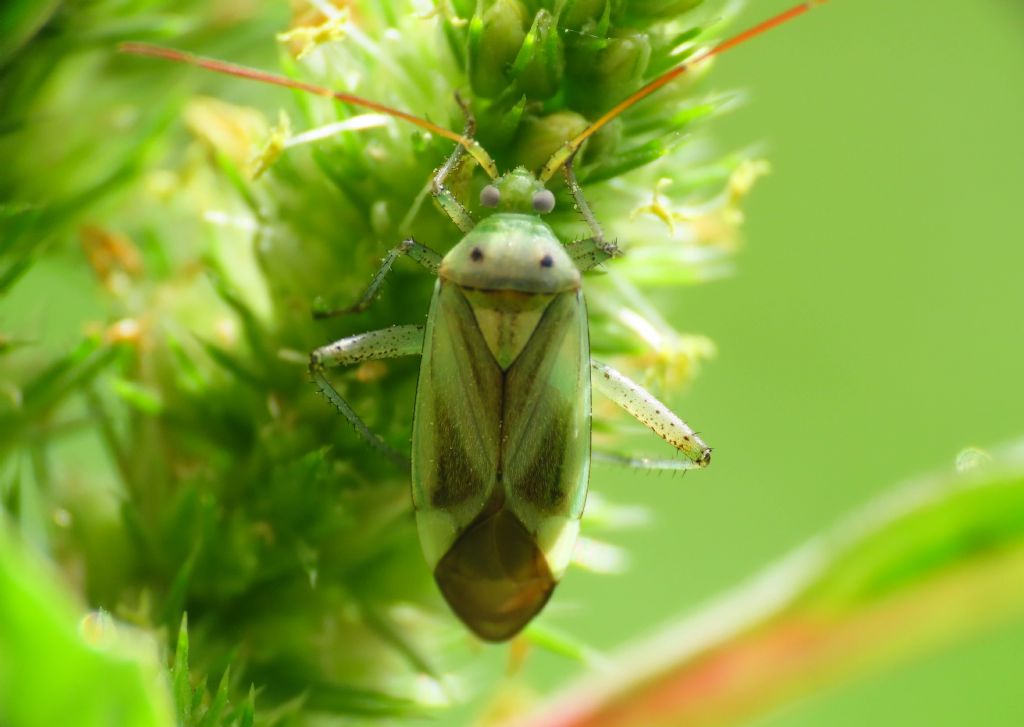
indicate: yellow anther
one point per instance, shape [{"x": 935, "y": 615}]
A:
[
  {"x": 305, "y": 38},
  {"x": 660, "y": 209},
  {"x": 272, "y": 148},
  {"x": 443, "y": 8},
  {"x": 743, "y": 178},
  {"x": 229, "y": 129}
]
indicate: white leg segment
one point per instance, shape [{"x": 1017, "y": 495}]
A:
[{"x": 650, "y": 412}]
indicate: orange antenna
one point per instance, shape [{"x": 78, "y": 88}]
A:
[
  {"x": 230, "y": 69},
  {"x": 570, "y": 147}
]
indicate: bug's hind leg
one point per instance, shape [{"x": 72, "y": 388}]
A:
[
  {"x": 639, "y": 462},
  {"x": 449, "y": 203},
  {"x": 650, "y": 412},
  {"x": 420, "y": 253},
  {"x": 386, "y": 343}
]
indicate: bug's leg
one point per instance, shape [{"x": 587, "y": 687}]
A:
[
  {"x": 640, "y": 462},
  {"x": 588, "y": 253},
  {"x": 420, "y": 253},
  {"x": 373, "y": 346},
  {"x": 452, "y": 206},
  {"x": 596, "y": 241},
  {"x": 650, "y": 412}
]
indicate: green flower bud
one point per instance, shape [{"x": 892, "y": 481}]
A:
[
  {"x": 540, "y": 137},
  {"x": 463, "y": 8},
  {"x": 539, "y": 67},
  {"x": 605, "y": 142},
  {"x": 601, "y": 77},
  {"x": 646, "y": 11},
  {"x": 495, "y": 36},
  {"x": 579, "y": 13}
]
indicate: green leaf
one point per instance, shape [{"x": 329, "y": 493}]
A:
[
  {"x": 220, "y": 702},
  {"x": 247, "y": 712},
  {"x": 20, "y": 20},
  {"x": 55, "y": 664},
  {"x": 930, "y": 564},
  {"x": 179, "y": 675},
  {"x": 143, "y": 398}
]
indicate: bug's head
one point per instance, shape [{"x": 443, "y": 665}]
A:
[{"x": 518, "y": 191}]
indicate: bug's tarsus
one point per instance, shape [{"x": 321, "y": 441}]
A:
[
  {"x": 363, "y": 304},
  {"x": 587, "y": 255},
  {"x": 409, "y": 247},
  {"x": 324, "y": 315}
]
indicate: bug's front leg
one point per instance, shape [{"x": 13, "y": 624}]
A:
[
  {"x": 590, "y": 252},
  {"x": 386, "y": 343},
  {"x": 595, "y": 249},
  {"x": 650, "y": 412},
  {"x": 420, "y": 253},
  {"x": 448, "y": 201}
]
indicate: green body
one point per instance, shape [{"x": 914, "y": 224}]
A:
[
  {"x": 501, "y": 435},
  {"x": 501, "y": 430}
]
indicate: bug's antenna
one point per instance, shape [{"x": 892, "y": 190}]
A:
[
  {"x": 210, "y": 64},
  {"x": 565, "y": 153}
]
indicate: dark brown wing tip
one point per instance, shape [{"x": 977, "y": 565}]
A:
[{"x": 495, "y": 578}]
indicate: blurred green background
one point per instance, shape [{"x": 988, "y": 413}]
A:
[{"x": 874, "y": 329}]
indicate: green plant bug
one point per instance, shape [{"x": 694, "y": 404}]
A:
[{"x": 501, "y": 445}]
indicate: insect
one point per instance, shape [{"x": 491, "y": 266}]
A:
[{"x": 501, "y": 445}]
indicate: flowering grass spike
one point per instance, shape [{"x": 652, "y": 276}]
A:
[{"x": 163, "y": 446}]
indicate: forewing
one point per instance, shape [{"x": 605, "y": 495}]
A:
[
  {"x": 545, "y": 445},
  {"x": 455, "y": 448}
]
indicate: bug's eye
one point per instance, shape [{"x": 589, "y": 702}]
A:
[
  {"x": 543, "y": 201},
  {"x": 490, "y": 196}
]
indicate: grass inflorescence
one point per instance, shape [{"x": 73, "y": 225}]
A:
[{"x": 167, "y": 238}]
